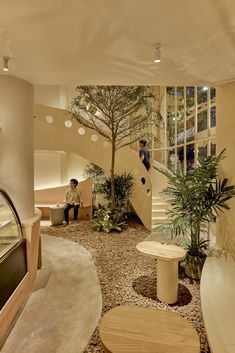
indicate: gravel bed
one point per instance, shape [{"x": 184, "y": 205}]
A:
[{"x": 126, "y": 277}]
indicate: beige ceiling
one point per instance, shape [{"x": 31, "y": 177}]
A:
[{"x": 111, "y": 41}]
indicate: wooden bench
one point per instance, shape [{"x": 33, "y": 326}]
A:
[
  {"x": 218, "y": 301},
  {"x": 46, "y": 198}
]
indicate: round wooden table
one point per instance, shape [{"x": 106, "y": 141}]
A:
[
  {"x": 132, "y": 329},
  {"x": 167, "y": 257}
]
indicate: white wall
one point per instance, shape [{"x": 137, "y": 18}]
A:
[
  {"x": 55, "y": 168},
  {"x": 76, "y": 166},
  {"x": 48, "y": 95},
  {"x": 16, "y": 143},
  {"x": 56, "y": 96}
]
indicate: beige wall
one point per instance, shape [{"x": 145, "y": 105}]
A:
[
  {"x": 16, "y": 143},
  {"x": 55, "y": 168},
  {"x": 46, "y": 169},
  {"x": 76, "y": 166},
  {"x": 56, "y": 96},
  {"x": 225, "y": 137}
]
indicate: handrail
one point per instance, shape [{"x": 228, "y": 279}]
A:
[{"x": 182, "y": 144}]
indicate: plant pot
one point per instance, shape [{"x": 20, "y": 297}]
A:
[{"x": 194, "y": 265}]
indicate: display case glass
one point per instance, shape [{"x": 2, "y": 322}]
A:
[
  {"x": 13, "y": 263},
  {"x": 10, "y": 228}
]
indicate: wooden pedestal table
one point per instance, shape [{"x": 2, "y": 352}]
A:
[
  {"x": 57, "y": 215},
  {"x": 132, "y": 329},
  {"x": 167, "y": 267}
]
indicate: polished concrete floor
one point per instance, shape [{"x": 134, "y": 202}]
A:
[{"x": 66, "y": 304}]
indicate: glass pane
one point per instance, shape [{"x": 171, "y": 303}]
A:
[
  {"x": 190, "y": 101},
  {"x": 202, "y": 120},
  {"x": 190, "y": 129},
  {"x": 159, "y": 132},
  {"x": 159, "y": 156},
  {"x": 172, "y": 160},
  {"x": 190, "y": 114},
  {"x": 180, "y": 159},
  {"x": 202, "y": 150},
  {"x": 212, "y": 93},
  {"x": 213, "y": 116},
  {"x": 202, "y": 95},
  {"x": 190, "y": 157},
  {"x": 170, "y": 103},
  {"x": 213, "y": 148},
  {"x": 10, "y": 232},
  {"x": 180, "y": 115}
]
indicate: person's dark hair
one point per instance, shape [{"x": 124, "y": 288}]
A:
[
  {"x": 74, "y": 181},
  {"x": 143, "y": 142}
]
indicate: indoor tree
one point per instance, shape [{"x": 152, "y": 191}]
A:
[{"x": 119, "y": 113}]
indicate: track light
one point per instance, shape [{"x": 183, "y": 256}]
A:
[
  {"x": 5, "y": 63},
  {"x": 157, "y": 53}
]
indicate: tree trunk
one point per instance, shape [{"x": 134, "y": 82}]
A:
[
  {"x": 113, "y": 204},
  {"x": 195, "y": 238}
]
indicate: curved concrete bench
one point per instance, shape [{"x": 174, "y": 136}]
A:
[{"x": 218, "y": 301}]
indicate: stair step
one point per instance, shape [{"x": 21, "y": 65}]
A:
[
  {"x": 156, "y": 198},
  {"x": 159, "y": 204},
  {"x": 160, "y": 210},
  {"x": 160, "y": 218}
]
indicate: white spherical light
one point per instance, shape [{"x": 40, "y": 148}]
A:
[
  {"x": 94, "y": 138},
  {"x": 49, "y": 119},
  {"x": 68, "y": 123},
  {"x": 81, "y": 131}
]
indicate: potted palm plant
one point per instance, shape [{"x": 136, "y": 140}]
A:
[{"x": 196, "y": 199}]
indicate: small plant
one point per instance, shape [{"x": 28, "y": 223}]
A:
[
  {"x": 109, "y": 220},
  {"x": 123, "y": 188}
]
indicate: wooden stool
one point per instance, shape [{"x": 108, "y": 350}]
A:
[
  {"x": 56, "y": 215},
  {"x": 132, "y": 329},
  {"x": 167, "y": 267}
]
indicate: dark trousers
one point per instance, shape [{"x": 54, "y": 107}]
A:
[{"x": 66, "y": 212}]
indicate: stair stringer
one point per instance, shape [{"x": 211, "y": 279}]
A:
[{"x": 56, "y": 136}]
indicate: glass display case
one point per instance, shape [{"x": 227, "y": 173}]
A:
[{"x": 13, "y": 265}]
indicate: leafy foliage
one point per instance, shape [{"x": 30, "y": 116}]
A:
[
  {"x": 109, "y": 220},
  {"x": 196, "y": 199},
  {"x": 123, "y": 185},
  {"x": 115, "y": 112},
  {"x": 114, "y": 219}
]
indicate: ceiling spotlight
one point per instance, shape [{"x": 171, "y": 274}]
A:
[
  {"x": 157, "y": 53},
  {"x": 5, "y": 63},
  {"x": 205, "y": 88}
]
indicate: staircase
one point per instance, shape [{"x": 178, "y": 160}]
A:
[{"x": 159, "y": 211}]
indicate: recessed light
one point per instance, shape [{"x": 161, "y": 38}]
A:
[
  {"x": 157, "y": 53},
  {"x": 5, "y": 63}
]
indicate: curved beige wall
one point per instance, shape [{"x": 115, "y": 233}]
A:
[
  {"x": 225, "y": 130},
  {"x": 16, "y": 143},
  {"x": 56, "y": 136}
]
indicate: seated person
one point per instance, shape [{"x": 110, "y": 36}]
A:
[{"x": 73, "y": 200}]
